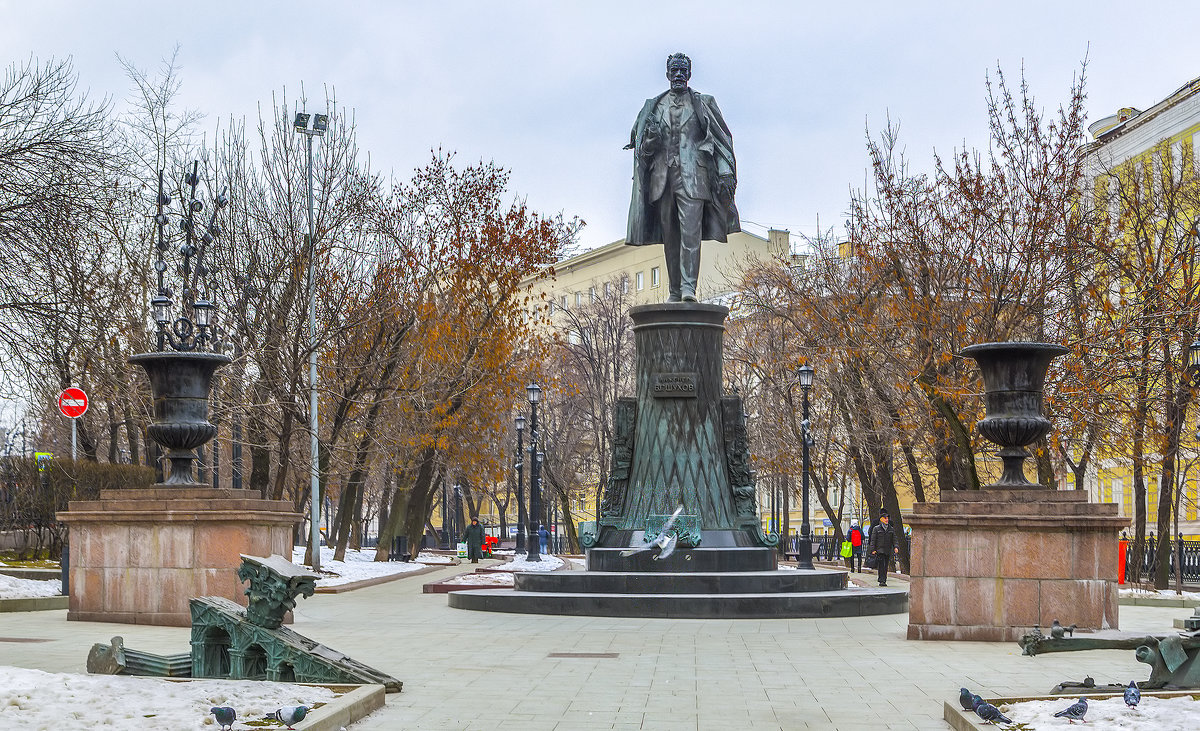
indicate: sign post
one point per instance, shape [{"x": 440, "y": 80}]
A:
[{"x": 73, "y": 403}]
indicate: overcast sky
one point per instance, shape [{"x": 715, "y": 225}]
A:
[{"x": 550, "y": 89}]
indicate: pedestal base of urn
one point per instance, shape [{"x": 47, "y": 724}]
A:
[
  {"x": 989, "y": 565},
  {"x": 138, "y": 556}
]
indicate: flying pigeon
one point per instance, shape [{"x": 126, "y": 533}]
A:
[
  {"x": 225, "y": 716},
  {"x": 1133, "y": 696},
  {"x": 665, "y": 542},
  {"x": 966, "y": 699},
  {"x": 989, "y": 713},
  {"x": 288, "y": 716},
  {"x": 1075, "y": 711}
]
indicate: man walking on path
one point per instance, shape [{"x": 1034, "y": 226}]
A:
[
  {"x": 883, "y": 546},
  {"x": 474, "y": 538}
]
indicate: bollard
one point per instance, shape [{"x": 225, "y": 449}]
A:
[{"x": 64, "y": 563}]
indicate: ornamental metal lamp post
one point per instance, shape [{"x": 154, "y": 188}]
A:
[
  {"x": 520, "y": 465},
  {"x": 320, "y": 123},
  {"x": 188, "y": 354},
  {"x": 804, "y": 374},
  {"x": 533, "y": 540}
]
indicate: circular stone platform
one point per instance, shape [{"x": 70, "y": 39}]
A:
[{"x": 691, "y": 595}]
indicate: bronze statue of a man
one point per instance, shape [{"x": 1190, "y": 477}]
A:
[{"x": 684, "y": 176}]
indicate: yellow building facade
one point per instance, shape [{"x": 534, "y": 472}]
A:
[{"x": 1166, "y": 136}]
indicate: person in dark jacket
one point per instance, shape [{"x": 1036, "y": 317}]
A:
[
  {"x": 544, "y": 535},
  {"x": 883, "y": 546},
  {"x": 474, "y": 538}
]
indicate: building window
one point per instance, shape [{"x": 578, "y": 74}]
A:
[
  {"x": 654, "y": 278},
  {"x": 607, "y": 289},
  {"x": 625, "y": 284},
  {"x": 563, "y": 302},
  {"x": 592, "y": 294},
  {"x": 641, "y": 281},
  {"x": 578, "y": 298},
  {"x": 552, "y": 307}
]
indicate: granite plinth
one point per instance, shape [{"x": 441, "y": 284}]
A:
[
  {"x": 690, "y": 582},
  {"x": 684, "y": 559},
  {"x": 137, "y": 556},
  {"x": 989, "y": 565},
  {"x": 842, "y": 603}
]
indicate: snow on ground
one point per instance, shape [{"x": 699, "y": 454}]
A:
[
  {"x": 435, "y": 558},
  {"x": 1160, "y": 594},
  {"x": 1109, "y": 713},
  {"x": 359, "y": 565},
  {"x": 498, "y": 578},
  {"x": 547, "y": 563},
  {"x": 14, "y": 588},
  {"x": 32, "y": 700}
]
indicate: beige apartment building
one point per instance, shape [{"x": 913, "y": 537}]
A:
[{"x": 642, "y": 270}]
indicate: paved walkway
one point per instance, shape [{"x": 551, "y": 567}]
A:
[{"x": 474, "y": 670}]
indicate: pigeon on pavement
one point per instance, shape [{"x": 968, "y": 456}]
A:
[
  {"x": 665, "y": 542},
  {"x": 1074, "y": 712},
  {"x": 225, "y": 716},
  {"x": 989, "y": 713},
  {"x": 290, "y": 715},
  {"x": 1133, "y": 696}
]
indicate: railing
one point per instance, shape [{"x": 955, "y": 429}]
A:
[{"x": 1183, "y": 553}]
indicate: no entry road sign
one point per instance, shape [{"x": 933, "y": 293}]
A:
[{"x": 72, "y": 402}]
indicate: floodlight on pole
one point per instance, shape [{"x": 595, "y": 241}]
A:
[{"x": 301, "y": 126}]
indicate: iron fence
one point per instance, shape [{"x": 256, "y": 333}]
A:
[{"x": 1184, "y": 553}]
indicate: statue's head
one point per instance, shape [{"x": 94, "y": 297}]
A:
[{"x": 679, "y": 71}]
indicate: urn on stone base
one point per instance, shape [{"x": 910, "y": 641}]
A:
[
  {"x": 180, "y": 384},
  {"x": 1014, "y": 375}
]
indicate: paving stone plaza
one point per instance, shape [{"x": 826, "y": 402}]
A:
[{"x": 470, "y": 671}]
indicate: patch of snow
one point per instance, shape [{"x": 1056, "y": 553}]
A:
[
  {"x": 14, "y": 588},
  {"x": 498, "y": 578},
  {"x": 32, "y": 699},
  {"x": 434, "y": 558},
  {"x": 579, "y": 562},
  {"x": 547, "y": 563},
  {"x": 1109, "y": 713},
  {"x": 359, "y": 565},
  {"x": 1160, "y": 594}
]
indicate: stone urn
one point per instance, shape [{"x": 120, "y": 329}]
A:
[
  {"x": 180, "y": 383},
  {"x": 1014, "y": 375}
]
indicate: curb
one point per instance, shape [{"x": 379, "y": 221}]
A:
[
  {"x": 1137, "y": 601},
  {"x": 34, "y": 604},
  {"x": 351, "y": 586},
  {"x": 344, "y": 710}
]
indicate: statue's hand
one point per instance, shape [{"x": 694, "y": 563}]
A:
[{"x": 727, "y": 185}]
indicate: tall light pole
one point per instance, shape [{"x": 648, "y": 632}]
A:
[
  {"x": 520, "y": 465},
  {"x": 533, "y": 541},
  {"x": 320, "y": 123},
  {"x": 804, "y": 374}
]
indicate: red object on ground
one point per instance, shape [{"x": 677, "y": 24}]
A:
[
  {"x": 72, "y": 402},
  {"x": 1122, "y": 552}
]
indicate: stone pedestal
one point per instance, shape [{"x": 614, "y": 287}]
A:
[
  {"x": 989, "y": 565},
  {"x": 138, "y": 556}
]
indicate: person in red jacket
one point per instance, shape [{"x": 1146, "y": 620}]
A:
[{"x": 855, "y": 536}]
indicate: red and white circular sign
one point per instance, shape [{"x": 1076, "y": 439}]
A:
[{"x": 72, "y": 402}]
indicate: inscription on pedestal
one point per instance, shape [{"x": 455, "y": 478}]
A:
[{"x": 674, "y": 385}]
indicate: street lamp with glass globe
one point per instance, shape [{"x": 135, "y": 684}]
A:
[
  {"x": 534, "y": 393},
  {"x": 804, "y": 376}
]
